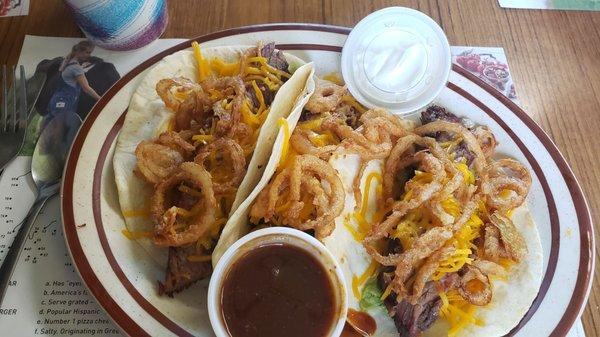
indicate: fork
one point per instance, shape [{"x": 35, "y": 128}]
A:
[{"x": 13, "y": 116}]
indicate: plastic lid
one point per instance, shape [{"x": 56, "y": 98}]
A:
[{"x": 396, "y": 58}]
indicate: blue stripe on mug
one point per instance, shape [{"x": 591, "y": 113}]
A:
[
  {"x": 106, "y": 18},
  {"x": 120, "y": 24}
]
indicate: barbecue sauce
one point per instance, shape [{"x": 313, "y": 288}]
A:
[
  {"x": 359, "y": 324},
  {"x": 278, "y": 290}
]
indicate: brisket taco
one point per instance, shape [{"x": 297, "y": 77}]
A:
[
  {"x": 197, "y": 135},
  {"x": 439, "y": 241},
  {"x": 299, "y": 187}
]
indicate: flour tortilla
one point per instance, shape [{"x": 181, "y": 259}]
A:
[
  {"x": 511, "y": 298},
  {"x": 238, "y": 224},
  {"x": 351, "y": 255},
  {"x": 148, "y": 116}
]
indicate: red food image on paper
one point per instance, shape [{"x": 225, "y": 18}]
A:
[
  {"x": 7, "y": 5},
  {"x": 4, "y": 7},
  {"x": 486, "y": 67}
]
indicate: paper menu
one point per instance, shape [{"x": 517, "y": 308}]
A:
[{"x": 48, "y": 297}]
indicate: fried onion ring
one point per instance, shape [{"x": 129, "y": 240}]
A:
[
  {"x": 326, "y": 97},
  {"x": 356, "y": 141},
  {"x": 505, "y": 183},
  {"x": 436, "y": 163},
  {"x": 226, "y": 125},
  {"x": 489, "y": 268},
  {"x": 420, "y": 194},
  {"x": 304, "y": 167},
  {"x": 459, "y": 130},
  {"x": 491, "y": 243},
  {"x": 156, "y": 162},
  {"x": 405, "y": 263},
  {"x": 468, "y": 209},
  {"x": 194, "y": 105},
  {"x": 307, "y": 174},
  {"x": 164, "y": 89},
  {"x": 475, "y": 286},
  {"x": 265, "y": 204},
  {"x": 381, "y": 126},
  {"x": 512, "y": 240},
  {"x": 401, "y": 156},
  {"x": 238, "y": 163},
  {"x": 166, "y": 218},
  {"x": 427, "y": 269},
  {"x": 486, "y": 139},
  {"x": 177, "y": 142},
  {"x": 302, "y": 144}
]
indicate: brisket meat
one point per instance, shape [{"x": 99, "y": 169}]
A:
[{"x": 182, "y": 273}]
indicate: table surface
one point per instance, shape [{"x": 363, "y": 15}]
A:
[{"x": 554, "y": 58}]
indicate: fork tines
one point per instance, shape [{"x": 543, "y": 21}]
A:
[{"x": 14, "y": 108}]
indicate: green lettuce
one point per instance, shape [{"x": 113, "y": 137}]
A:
[{"x": 371, "y": 295}]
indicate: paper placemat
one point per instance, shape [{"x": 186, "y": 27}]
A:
[{"x": 46, "y": 296}]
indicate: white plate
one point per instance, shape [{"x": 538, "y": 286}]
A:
[{"x": 123, "y": 278}]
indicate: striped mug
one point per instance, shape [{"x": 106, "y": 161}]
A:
[{"x": 119, "y": 24}]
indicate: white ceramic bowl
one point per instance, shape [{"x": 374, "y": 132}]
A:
[{"x": 276, "y": 235}]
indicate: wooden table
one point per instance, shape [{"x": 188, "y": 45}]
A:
[{"x": 554, "y": 56}]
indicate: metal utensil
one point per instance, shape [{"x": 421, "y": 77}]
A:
[
  {"x": 47, "y": 164},
  {"x": 35, "y": 84},
  {"x": 14, "y": 116}
]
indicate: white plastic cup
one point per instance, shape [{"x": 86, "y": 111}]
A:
[{"x": 396, "y": 58}]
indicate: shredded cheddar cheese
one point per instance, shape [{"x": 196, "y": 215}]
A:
[
  {"x": 334, "y": 77},
  {"x": 225, "y": 69},
  {"x": 311, "y": 125},
  {"x": 283, "y": 124},
  {"x": 251, "y": 70},
  {"x": 356, "y": 234},
  {"x": 350, "y": 100},
  {"x": 468, "y": 175},
  {"x": 259, "y": 96},
  {"x": 135, "y": 213},
  {"x": 203, "y": 66},
  {"x": 360, "y": 216},
  {"x": 387, "y": 292},
  {"x": 505, "y": 193},
  {"x": 458, "y": 312},
  {"x": 248, "y": 117},
  {"x": 463, "y": 242},
  {"x": 327, "y": 138},
  {"x": 358, "y": 281},
  {"x": 134, "y": 235}
]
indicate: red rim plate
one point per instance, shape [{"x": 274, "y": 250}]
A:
[{"x": 129, "y": 325}]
